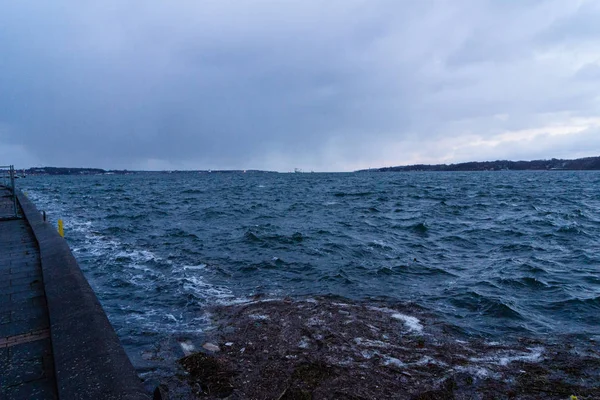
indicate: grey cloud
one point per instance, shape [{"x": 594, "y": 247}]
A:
[
  {"x": 589, "y": 72},
  {"x": 218, "y": 84},
  {"x": 562, "y": 146},
  {"x": 578, "y": 25}
]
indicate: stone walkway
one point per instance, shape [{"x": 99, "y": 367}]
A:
[{"x": 26, "y": 363}]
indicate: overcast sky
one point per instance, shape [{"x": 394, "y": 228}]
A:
[{"x": 332, "y": 85}]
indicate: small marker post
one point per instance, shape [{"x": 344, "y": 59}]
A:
[{"x": 61, "y": 230}]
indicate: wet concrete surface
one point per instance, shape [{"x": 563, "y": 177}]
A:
[{"x": 26, "y": 359}]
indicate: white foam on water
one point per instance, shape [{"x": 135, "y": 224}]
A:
[
  {"x": 426, "y": 360},
  {"x": 100, "y": 248},
  {"x": 187, "y": 347},
  {"x": 534, "y": 356},
  {"x": 370, "y": 343},
  {"x": 412, "y": 323},
  {"x": 140, "y": 268},
  {"x": 478, "y": 372},
  {"x": 78, "y": 226},
  {"x": 259, "y": 317},
  {"x": 194, "y": 267},
  {"x": 140, "y": 280},
  {"x": 493, "y": 343},
  {"x": 155, "y": 320},
  {"x": 382, "y": 244},
  {"x": 192, "y": 280},
  {"x": 137, "y": 266},
  {"x": 243, "y": 300},
  {"x": 171, "y": 317},
  {"x": 340, "y": 304},
  {"x": 198, "y": 286},
  {"x": 137, "y": 256},
  {"x": 382, "y": 309}
]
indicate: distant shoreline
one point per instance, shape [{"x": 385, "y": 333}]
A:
[
  {"x": 99, "y": 171},
  {"x": 554, "y": 164},
  {"x": 580, "y": 164}
]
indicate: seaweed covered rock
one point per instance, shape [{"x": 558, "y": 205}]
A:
[{"x": 325, "y": 348}]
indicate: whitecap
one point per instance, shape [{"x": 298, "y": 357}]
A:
[
  {"x": 412, "y": 323},
  {"x": 478, "y": 372},
  {"x": 534, "y": 356},
  {"x": 259, "y": 317},
  {"x": 203, "y": 289},
  {"x": 370, "y": 343},
  {"x": 187, "y": 347},
  {"x": 171, "y": 317},
  {"x": 194, "y": 267}
]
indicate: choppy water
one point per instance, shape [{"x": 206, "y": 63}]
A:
[{"x": 493, "y": 254}]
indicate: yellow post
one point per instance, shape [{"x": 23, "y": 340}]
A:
[{"x": 61, "y": 230}]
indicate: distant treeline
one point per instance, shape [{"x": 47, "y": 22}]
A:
[
  {"x": 99, "y": 171},
  {"x": 63, "y": 171},
  {"x": 589, "y": 163}
]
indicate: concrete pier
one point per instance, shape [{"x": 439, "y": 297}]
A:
[
  {"x": 55, "y": 339},
  {"x": 26, "y": 362}
]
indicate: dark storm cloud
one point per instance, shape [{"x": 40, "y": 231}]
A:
[{"x": 264, "y": 84}]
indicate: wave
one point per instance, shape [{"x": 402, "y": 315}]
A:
[
  {"x": 572, "y": 229},
  {"x": 192, "y": 191},
  {"x": 489, "y": 306},
  {"x": 295, "y": 238},
  {"x": 419, "y": 228},
  {"x": 529, "y": 251},
  {"x": 181, "y": 234},
  {"x": 524, "y": 283},
  {"x": 353, "y": 194},
  {"x": 576, "y": 305},
  {"x": 422, "y": 270}
]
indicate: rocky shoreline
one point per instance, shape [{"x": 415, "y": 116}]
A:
[{"x": 328, "y": 348}]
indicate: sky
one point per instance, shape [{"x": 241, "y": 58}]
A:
[{"x": 334, "y": 85}]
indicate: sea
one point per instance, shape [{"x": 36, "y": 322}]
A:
[{"x": 494, "y": 255}]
